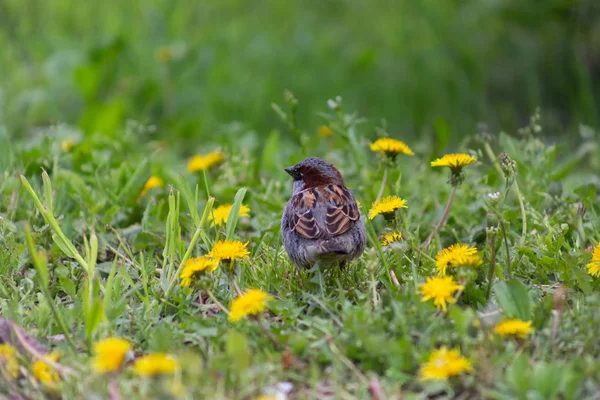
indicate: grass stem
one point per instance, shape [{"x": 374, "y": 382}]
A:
[
  {"x": 442, "y": 219},
  {"x": 383, "y": 184},
  {"x": 492, "y": 156}
]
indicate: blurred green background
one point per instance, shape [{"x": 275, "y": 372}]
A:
[{"x": 193, "y": 67}]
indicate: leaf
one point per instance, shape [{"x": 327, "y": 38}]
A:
[
  {"x": 583, "y": 279},
  {"x": 190, "y": 199},
  {"x": 68, "y": 286},
  {"x": 234, "y": 214},
  {"x": 547, "y": 379},
  {"x": 514, "y": 299},
  {"x": 92, "y": 307},
  {"x": 39, "y": 260},
  {"x": 48, "y": 197},
  {"x": 62, "y": 245},
  {"x": 133, "y": 182},
  {"x": 238, "y": 350},
  {"x": 519, "y": 374}
]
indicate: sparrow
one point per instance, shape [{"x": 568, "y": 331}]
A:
[{"x": 321, "y": 222}]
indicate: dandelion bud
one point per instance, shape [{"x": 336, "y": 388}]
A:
[
  {"x": 555, "y": 189},
  {"x": 492, "y": 220},
  {"x": 491, "y": 233},
  {"x": 509, "y": 166}
]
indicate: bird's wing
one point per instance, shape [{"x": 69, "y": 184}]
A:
[
  {"x": 342, "y": 210},
  {"x": 323, "y": 212},
  {"x": 302, "y": 216}
]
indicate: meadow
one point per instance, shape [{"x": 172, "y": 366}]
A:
[
  {"x": 97, "y": 236},
  {"x": 142, "y": 184}
]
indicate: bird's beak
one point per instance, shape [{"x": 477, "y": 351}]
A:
[{"x": 289, "y": 170}]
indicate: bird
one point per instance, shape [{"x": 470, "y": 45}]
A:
[{"x": 321, "y": 222}]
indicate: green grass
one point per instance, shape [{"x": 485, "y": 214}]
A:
[{"x": 105, "y": 260}]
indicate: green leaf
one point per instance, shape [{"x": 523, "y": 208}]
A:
[
  {"x": 108, "y": 288},
  {"x": 190, "y": 199},
  {"x": 514, "y": 299},
  {"x": 133, "y": 182},
  {"x": 547, "y": 379},
  {"x": 238, "y": 350},
  {"x": 39, "y": 260},
  {"x": 234, "y": 214},
  {"x": 62, "y": 245},
  {"x": 583, "y": 279},
  {"x": 47, "y": 191},
  {"x": 92, "y": 308},
  {"x": 68, "y": 286},
  {"x": 519, "y": 374}
]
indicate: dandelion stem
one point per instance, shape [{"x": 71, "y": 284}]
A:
[
  {"x": 231, "y": 275},
  {"x": 236, "y": 287},
  {"x": 359, "y": 374},
  {"x": 383, "y": 183},
  {"x": 442, "y": 219},
  {"x": 509, "y": 270},
  {"x": 492, "y": 157},
  {"x": 421, "y": 252},
  {"x": 216, "y": 301},
  {"x": 186, "y": 256},
  {"x": 206, "y": 186},
  {"x": 267, "y": 332},
  {"x": 492, "y": 268}
]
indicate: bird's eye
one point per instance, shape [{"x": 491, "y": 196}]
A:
[{"x": 297, "y": 175}]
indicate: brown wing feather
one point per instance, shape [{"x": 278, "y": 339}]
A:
[
  {"x": 303, "y": 221},
  {"x": 342, "y": 210},
  {"x": 305, "y": 225}
]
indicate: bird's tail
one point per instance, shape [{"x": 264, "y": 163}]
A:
[{"x": 328, "y": 248}]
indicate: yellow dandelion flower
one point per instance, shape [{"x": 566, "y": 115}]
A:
[
  {"x": 109, "y": 354},
  {"x": 594, "y": 266},
  {"x": 443, "y": 364},
  {"x": 227, "y": 250},
  {"x": 391, "y": 238},
  {"x": 151, "y": 183},
  {"x": 440, "y": 289},
  {"x": 514, "y": 327},
  {"x": 253, "y": 302},
  {"x": 155, "y": 364},
  {"x": 66, "y": 145},
  {"x": 457, "y": 255},
  {"x": 325, "y": 131},
  {"x": 387, "y": 205},
  {"x": 8, "y": 359},
  {"x": 44, "y": 373},
  {"x": 195, "y": 265},
  {"x": 203, "y": 163},
  {"x": 390, "y": 147},
  {"x": 220, "y": 214},
  {"x": 454, "y": 161}
]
